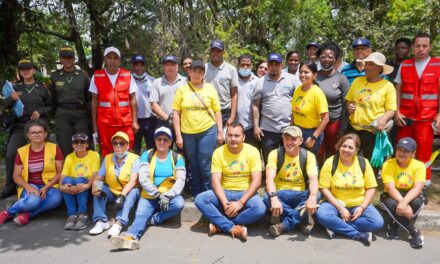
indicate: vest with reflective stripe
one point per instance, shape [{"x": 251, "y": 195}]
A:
[
  {"x": 116, "y": 184},
  {"x": 49, "y": 169},
  {"x": 419, "y": 97},
  {"x": 113, "y": 102}
]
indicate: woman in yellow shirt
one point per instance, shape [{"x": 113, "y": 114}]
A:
[
  {"x": 371, "y": 102},
  {"x": 348, "y": 185},
  {"x": 198, "y": 124},
  {"x": 309, "y": 108},
  {"x": 404, "y": 178}
]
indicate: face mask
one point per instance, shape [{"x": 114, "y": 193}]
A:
[
  {"x": 121, "y": 155},
  {"x": 327, "y": 69},
  {"x": 244, "y": 72},
  {"x": 139, "y": 76}
]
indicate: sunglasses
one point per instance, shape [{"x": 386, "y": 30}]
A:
[
  {"x": 79, "y": 142},
  {"x": 119, "y": 143},
  {"x": 162, "y": 139}
]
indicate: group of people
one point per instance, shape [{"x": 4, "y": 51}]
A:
[{"x": 293, "y": 115}]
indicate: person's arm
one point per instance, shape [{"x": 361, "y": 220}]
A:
[
  {"x": 55, "y": 179},
  {"x": 217, "y": 188},
  {"x": 275, "y": 205},
  {"x": 384, "y": 119},
  {"x": 145, "y": 182},
  {"x": 219, "y": 123},
  {"x": 235, "y": 206},
  {"x": 312, "y": 200},
  {"x": 234, "y": 102},
  {"x": 369, "y": 195},
  {"x": 18, "y": 179},
  {"x": 324, "y": 121},
  {"x": 94, "y": 106},
  {"x": 133, "y": 106},
  {"x": 157, "y": 110},
  {"x": 179, "y": 184},
  {"x": 176, "y": 123},
  {"x": 258, "y": 133}
]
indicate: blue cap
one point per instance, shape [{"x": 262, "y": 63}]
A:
[
  {"x": 407, "y": 143},
  {"x": 275, "y": 57},
  {"x": 361, "y": 42},
  {"x": 137, "y": 58},
  {"x": 312, "y": 44},
  {"x": 171, "y": 58},
  {"x": 217, "y": 44}
]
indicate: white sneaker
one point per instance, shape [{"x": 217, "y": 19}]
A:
[
  {"x": 330, "y": 233},
  {"x": 99, "y": 228},
  {"x": 115, "y": 230}
]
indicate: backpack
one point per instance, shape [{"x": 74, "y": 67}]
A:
[
  {"x": 302, "y": 161},
  {"x": 336, "y": 160}
]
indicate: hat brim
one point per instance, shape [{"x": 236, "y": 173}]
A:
[
  {"x": 387, "y": 69},
  {"x": 163, "y": 133},
  {"x": 26, "y": 66}
]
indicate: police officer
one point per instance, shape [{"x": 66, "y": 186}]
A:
[{"x": 70, "y": 92}]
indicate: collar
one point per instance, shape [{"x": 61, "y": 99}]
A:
[
  {"x": 210, "y": 65},
  {"x": 253, "y": 76},
  {"x": 282, "y": 76},
  {"x": 165, "y": 80}
]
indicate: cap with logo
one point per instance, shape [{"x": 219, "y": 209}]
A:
[
  {"x": 163, "y": 131},
  {"x": 275, "y": 57},
  {"x": 80, "y": 136},
  {"x": 169, "y": 58},
  {"x": 137, "y": 58},
  {"x": 218, "y": 44},
  {"x": 25, "y": 63},
  {"x": 361, "y": 42},
  {"x": 312, "y": 44},
  {"x": 407, "y": 143},
  {"x": 67, "y": 52}
]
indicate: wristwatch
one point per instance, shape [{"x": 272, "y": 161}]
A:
[
  {"x": 273, "y": 194},
  {"x": 313, "y": 137}
]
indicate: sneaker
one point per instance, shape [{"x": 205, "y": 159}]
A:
[
  {"x": 275, "y": 219},
  {"x": 276, "y": 230},
  {"x": 307, "y": 225},
  {"x": 124, "y": 242},
  {"x": 115, "y": 230},
  {"x": 22, "y": 219},
  {"x": 70, "y": 223},
  {"x": 330, "y": 233},
  {"x": 4, "y": 216},
  {"x": 417, "y": 240},
  {"x": 99, "y": 228},
  {"x": 365, "y": 238},
  {"x": 82, "y": 222},
  {"x": 393, "y": 232},
  {"x": 240, "y": 232},
  {"x": 213, "y": 229}
]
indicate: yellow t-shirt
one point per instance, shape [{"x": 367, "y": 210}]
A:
[
  {"x": 371, "y": 99},
  {"x": 194, "y": 118},
  {"x": 81, "y": 167},
  {"x": 403, "y": 179},
  {"x": 236, "y": 168},
  {"x": 290, "y": 176},
  {"x": 308, "y": 106},
  {"x": 347, "y": 184}
]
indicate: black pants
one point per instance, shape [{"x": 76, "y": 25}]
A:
[
  {"x": 269, "y": 142},
  {"x": 67, "y": 123},
  {"x": 389, "y": 205},
  {"x": 16, "y": 140},
  {"x": 250, "y": 138},
  {"x": 147, "y": 126},
  {"x": 368, "y": 140}
]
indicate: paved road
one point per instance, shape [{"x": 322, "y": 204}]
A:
[{"x": 45, "y": 241}]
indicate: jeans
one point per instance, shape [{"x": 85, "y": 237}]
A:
[
  {"x": 148, "y": 210},
  {"x": 147, "y": 126},
  {"x": 198, "y": 151},
  {"x": 269, "y": 142},
  {"x": 33, "y": 204},
  {"x": 100, "y": 203},
  {"x": 210, "y": 206},
  {"x": 307, "y": 132},
  {"x": 72, "y": 200},
  {"x": 291, "y": 200},
  {"x": 369, "y": 221}
]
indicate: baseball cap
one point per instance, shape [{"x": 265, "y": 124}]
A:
[
  {"x": 361, "y": 42},
  {"x": 137, "y": 58},
  {"x": 294, "y": 131},
  {"x": 80, "y": 136},
  {"x": 407, "y": 143},
  {"x": 217, "y": 44},
  {"x": 122, "y": 135},
  {"x": 67, "y": 52},
  {"x": 169, "y": 57},
  {"x": 25, "y": 63},
  {"x": 312, "y": 44},
  {"x": 275, "y": 57},
  {"x": 112, "y": 49},
  {"x": 197, "y": 64},
  {"x": 163, "y": 131}
]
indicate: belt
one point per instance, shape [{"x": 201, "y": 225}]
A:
[{"x": 67, "y": 106}]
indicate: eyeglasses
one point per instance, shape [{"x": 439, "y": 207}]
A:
[
  {"x": 119, "y": 143},
  {"x": 162, "y": 139},
  {"x": 36, "y": 133},
  {"x": 79, "y": 142}
]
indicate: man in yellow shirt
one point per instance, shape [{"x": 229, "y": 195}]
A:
[
  {"x": 286, "y": 183},
  {"x": 236, "y": 175}
]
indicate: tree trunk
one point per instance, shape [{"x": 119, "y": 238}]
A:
[{"x": 9, "y": 35}]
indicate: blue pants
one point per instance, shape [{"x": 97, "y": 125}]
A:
[
  {"x": 33, "y": 204},
  {"x": 148, "y": 209},
  {"x": 307, "y": 132},
  {"x": 76, "y": 203},
  {"x": 291, "y": 200},
  {"x": 100, "y": 203},
  {"x": 198, "y": 151},
  {"x": 211, "y": 208},
  {"x": 369, "y": 221}
]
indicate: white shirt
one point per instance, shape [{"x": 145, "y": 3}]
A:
[{"x": 93, "y": 89}]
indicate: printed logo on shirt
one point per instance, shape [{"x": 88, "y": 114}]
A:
[
  {"x": 223, "y": 80},
  {"x": 291, "y": 173},
  {"x": 335, "y": 85},
  {"x": 236, "y": 169},
  {"x": 81, "y": 170},
  {"x": 404, "y": 180}
]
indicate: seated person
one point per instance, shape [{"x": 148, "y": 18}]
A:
[
  {"x": 162, "y": 177},
  {"x": 37, "y": 171},
  {"x": 288, "y": 187},
  {"x": 236, "y": 175},
  {"x": 115, "y": 182},
  {"x": 404, "y": 178},
  {"x": 348, "y": 184},
  {"x": 80, "y": 167}
]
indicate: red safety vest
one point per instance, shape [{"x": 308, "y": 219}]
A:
[
  {"x": 113, "y": 102},
  {"x": 419, "y": 97}
]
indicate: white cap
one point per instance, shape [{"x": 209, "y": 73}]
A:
[
  {"x": 112, "y": 49},
  {"x": 163, "y": 131}
]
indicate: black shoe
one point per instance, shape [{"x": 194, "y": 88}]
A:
[
  {"x": 365, "y": 238},
  {"x": 8, "y": 191},
  {"x": 417, "y": 240},
  {"x": 393, "y": 231}
]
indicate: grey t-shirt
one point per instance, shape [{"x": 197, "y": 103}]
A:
[
  {"x": 163, "y": 92},
  {"x": 335, "y": 88},
  {"x": 420, "y": 67},
  {"x": 244, "y": 109},
  {"x": 223, "y": 78},
  {"x": 143, "y": 95},
  {"x": 275, "y": 98}
]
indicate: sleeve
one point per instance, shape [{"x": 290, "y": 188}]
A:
[
  {"x": 133, "y": 86},
  {"x": 398, "y": 78},
  {"x": 257, "y": 94},
  {"x": 234, "y": 77},
  {"x": 48, "y": 102},
  {"x": 296, "y": 82},
  {"x": 59, "y": 155},
  {"x": 369, "y": 177},
  {"x": 87, "y": 96},
  {"x": 135, "y": 167},
  {"x": 255, "y": 161},
  {"x": 387, "y": 172},
  {"x": 180, "y": 179},
  {"x": 144, "y": 179},
  {"x": 216, "y": 165},
  {"x": 154, "y": 94},
  {"x": 325, "y": 176},
  {"x": 345, "y": 85},
  {"x": 272, "y": 160},
  {"x": 321, "y": 102},
  {"x": 390, "y": 98},
  {"x": 215, "y": 102},
  {"x": 101, "y": 172},
  {"x": 18, "y": 160},
  {"x": 177, "y": 102},
  {"x": 350, "y": 93},
  {"x": 180, "y": 163},
  {"x": 96, "y": 163},
  {"x": 67, "y": 166},
  {"x": 53, "y": 90},
  {"x": 311, "y": 166},
  {"x": 92, "y": 88},
  {"x": 420, "y": 172}
]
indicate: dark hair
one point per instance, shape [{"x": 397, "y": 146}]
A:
[
  {"x": 234, "y": 125},
  {"x": 352, "y": 136},
  {"x": 184, "y": 58},
  {"x": 244, "y": 56},
  {"x": 423, "y": 35},
  {"x": 311, "y": 65},
  {"x": 333, "y": 46},
  {"x": 292, "y": 52},
  {"x": 36, "y": 122},
  {"x": 407, "y": 41}
]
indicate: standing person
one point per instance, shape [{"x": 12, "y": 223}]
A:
[
  {"x": 335, "y": 87},
  {"x": 37, "y": 171},
  {"x": 271, "y": 100},
  {"x": 247, "y": 82},
  {"x": 262, "y": 69},
  {"x": 404, "y": 178},
  {"x": 309, "y": 108},
  {"x": 361, "y": 48},
  {"x": 312, "y": 51},
  {"x": 198, "y": 125},
  {"x": 293, "y": 59},
  {"x": 223, "y": 76},
  {"x": 114, "y": 106},
  {"x": 71, "y": 99},
  {"x": 145, "y": 118},
  {"x": 186, "y": 63},
  {"x": 233, "y": 201},
  {"x": 37, "y": 101},
  {"x": 402, "y": 49}
]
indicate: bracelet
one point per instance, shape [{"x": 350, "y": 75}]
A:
[{"x": 361, "y": 206}]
